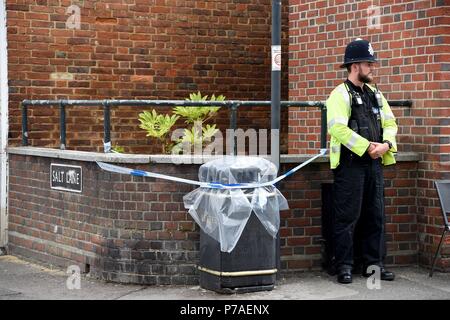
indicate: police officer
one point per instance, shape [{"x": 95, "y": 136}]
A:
[{"x": 363, "y": 129}]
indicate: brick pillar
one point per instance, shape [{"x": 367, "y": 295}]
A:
[
  {"x": 433, "y": 139},
  {"x": 409, "y": 40}
]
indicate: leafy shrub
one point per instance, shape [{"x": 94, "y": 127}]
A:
[{"x": 196, "y": 134}]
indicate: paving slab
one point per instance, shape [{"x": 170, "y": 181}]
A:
[{"x": 23, "y": 280}]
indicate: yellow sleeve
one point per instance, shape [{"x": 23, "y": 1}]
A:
[{"x": 389, "y": 125}]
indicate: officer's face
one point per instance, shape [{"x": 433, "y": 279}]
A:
[{"x": 365, "y": 71}]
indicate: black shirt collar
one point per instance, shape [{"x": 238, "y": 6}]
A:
[{"x": 356, "y": 88}]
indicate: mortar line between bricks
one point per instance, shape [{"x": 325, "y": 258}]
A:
[{"x": 128, "y": 293}]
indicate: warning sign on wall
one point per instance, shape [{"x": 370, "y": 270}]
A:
[{"x": 276, "y": 58}]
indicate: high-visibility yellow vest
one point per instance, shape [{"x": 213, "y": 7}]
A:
[{"x": 338, "y": 113}]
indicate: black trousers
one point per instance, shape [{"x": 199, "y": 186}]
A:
[{"x": 358, "y": 200}]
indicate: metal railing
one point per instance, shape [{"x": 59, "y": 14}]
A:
[{"x": 107, "y": 104}]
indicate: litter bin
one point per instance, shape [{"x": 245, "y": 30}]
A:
[{"x": 239, "y": 227}]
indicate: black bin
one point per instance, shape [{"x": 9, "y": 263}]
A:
[
  {"x": 250, "y": 267},
  {"x": 252, "y": 264}
]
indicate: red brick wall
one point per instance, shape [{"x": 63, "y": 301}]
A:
[
  {"x": 132, "y": 229},
  {"x": 301, "y": 231},
  {"x": 125, "y": 229},
  {"x": 134, "y": 50},
  {"x": 412, "y": 45}
]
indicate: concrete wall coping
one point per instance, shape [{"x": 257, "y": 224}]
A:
[{"x": 159, "y": 158}]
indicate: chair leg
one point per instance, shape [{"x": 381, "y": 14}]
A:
[{"x": 437, "y": 252}]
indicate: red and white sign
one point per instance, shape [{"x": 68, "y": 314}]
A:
[{"x": 276, "y": 58}]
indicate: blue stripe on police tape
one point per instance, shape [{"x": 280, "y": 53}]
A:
[
  {"x": 218, "y": 185},
  {"x": 138, "y": 173},
  {"x": 213, "y": 185},
  {"x": 287, "y": 174}
]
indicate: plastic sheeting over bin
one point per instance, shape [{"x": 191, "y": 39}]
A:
[{"x": 223, "y": 213}]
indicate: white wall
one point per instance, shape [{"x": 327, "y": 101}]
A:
[{"x": 3, "y": 126}]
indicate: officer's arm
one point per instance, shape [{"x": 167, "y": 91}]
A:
[
  {"x": 390, "y": 126},
  {"x": 337, "y": 121}
]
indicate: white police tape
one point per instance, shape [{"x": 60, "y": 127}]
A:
[{"x": 211, "y": 185}]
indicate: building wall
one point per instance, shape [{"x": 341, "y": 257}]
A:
[
  {"x": 133, "y": 229},
  {"x": 411, "y": 41},
  {"x": 165, "y": 51},
  {"x": 162, "y": 49}
]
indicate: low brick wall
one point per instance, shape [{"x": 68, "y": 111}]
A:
[
  {"x": 301, "y": 232},
  {"x": 136, "y": 230}
]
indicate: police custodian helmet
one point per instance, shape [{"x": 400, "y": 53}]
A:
[{"x": 358, "y": 50}]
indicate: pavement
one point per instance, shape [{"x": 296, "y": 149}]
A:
[{"x": 23, "y": 280}]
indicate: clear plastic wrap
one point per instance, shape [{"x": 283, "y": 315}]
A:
[{"x": 223, "y": 213}]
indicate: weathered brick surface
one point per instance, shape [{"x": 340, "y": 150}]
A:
[
  {"x": 165, "y": 51},
  {"x": 126, "y": 229},
  {"x": 412, "y": 47},
  {"x": 131, "y": 229},
  {"x": 301, "y": 234},
  {"x": 136, "y": 50}
]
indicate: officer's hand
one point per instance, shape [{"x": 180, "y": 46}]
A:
[
  {"x": 384, "y": 148},
  {"x": 379, "y": 150},
  {"x": 372, "y": 150}
]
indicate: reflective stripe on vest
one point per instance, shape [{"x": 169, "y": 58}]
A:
[{"x": 340, "y": 120}]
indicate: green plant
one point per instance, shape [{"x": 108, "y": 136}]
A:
[
  {"x": 192, "y": 137},
  {"x": 118, "y": 149},
  {"x": 196, "y": 134},
  {"x": 159, "y": 126},
  {"x": 203, "y": 114}
]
